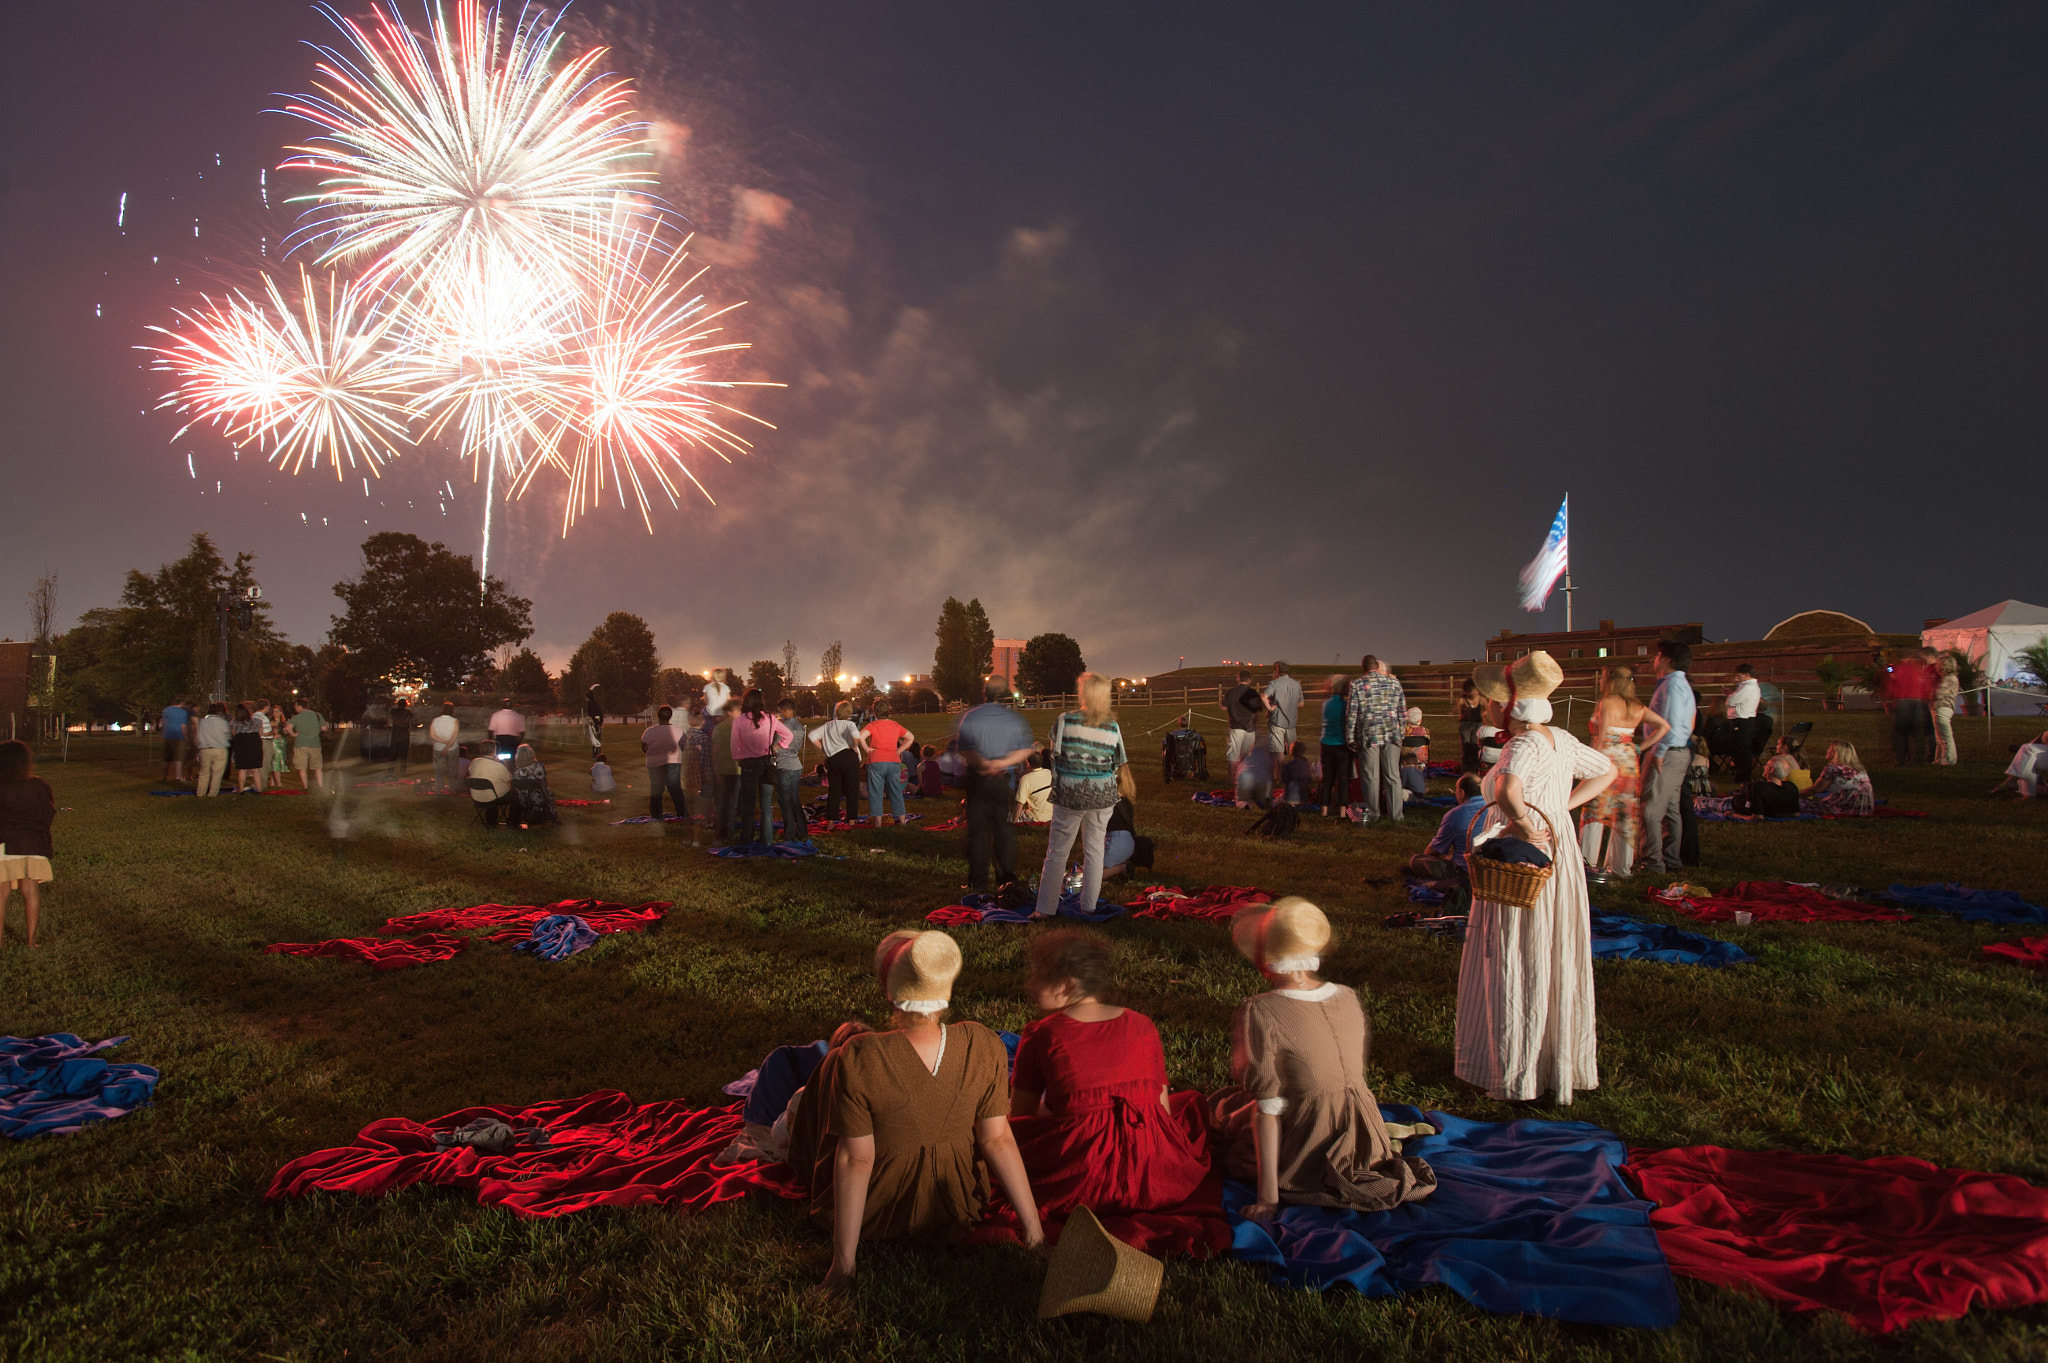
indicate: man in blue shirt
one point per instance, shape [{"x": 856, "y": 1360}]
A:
[
  {"x": 1444, "y": 858},
  {"x": 995, "y": 740},
  {"x": 1665, "y": 765},
  {"x": 176, "y": 725}
]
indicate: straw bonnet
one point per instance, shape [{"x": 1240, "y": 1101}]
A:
[
  {"x": 1536, "y": 675},
  {"x": 1283, "y": 936},
  {"x": 1092, "y": 1270},
  {"x": 917, "y": 969},
  {"x": 1490, "y": 680}
]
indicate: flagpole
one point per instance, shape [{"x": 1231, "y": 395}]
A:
[
  {"x": 1567, "y": 600},
  {"x": 1566, "y": 512}
]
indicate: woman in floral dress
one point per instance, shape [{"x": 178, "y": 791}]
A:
[{"x": 1611, "y": 828}]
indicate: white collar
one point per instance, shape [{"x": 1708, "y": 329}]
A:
[{"x": 1316, "y": 995}]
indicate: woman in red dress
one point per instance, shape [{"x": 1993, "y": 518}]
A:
[{"x": 1091, "y": 1113}]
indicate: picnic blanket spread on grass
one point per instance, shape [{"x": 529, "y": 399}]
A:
[
  {"x": 1771, "y": 901},
  {"x": 1528, "y": 1218},
  {"x": 1214, "y": 905},
  {"x": 603, "y": 916},
  {"x": 1974, "y": 906},
  {"x": 649, "y": 818},
  {"x": 2031, "y": 951},
  {"x": 581, "y": 804},
  {"x": 1619, "y": 937},
  {"x": 849, "y": 825},
  {"x": 1221, "y": 799},
  {"x": 983, "y": 908},
  {"x": 958, "y": 821},
  {"x": 1883, "y": 1241},
  {"x": 786, "y": 851},
  {"x": 381, "y": 953},
  {"x": 55, "y": 1085},
  {"x": 1719, "y": 809},
  {"x": 602, "y": 1151},
  {"x": 558, "y": 936}
]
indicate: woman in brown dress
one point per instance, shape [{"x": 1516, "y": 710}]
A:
[
  {"x": 903, "y": 1119},
  {"x": 1300, "y": 1120}
]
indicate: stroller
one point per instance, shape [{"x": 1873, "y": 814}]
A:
[{"x": 1185, "y": 756}]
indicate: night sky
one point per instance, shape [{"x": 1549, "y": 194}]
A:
[{"x": 1184, "y": 329}]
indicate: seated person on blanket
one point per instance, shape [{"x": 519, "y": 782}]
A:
[
  {"x": 2028, "y": 768},
  {"x": 1843, "y": 786},
  {"x": 931, "y": 778},
  {"x": 900, "y": 1128},
  {"x": 1297, "y": 778},
  {"x": 1796, "y": 771},
  {"x": 1122, "y": 848},
  {"x": 1442, "y": 863},
  {"x": 1771, "y": 796},
  {"x": 1034, "y": 791},
  {"x": 778, "y": 1096},
  {"x": 953, "y": 764},
  {"x": 602, "y": 782},
  {"x": 1300, "y": 1120},
  {"x": 1089, "y": 1103},
  {"x": 1415, "y": 756},
  {"x": 532, "y": 801}
]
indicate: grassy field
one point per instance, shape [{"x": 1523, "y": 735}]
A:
[{"x": 148, "y": 1237}]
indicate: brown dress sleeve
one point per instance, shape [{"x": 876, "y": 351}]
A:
[
  {"x": 988, "y": 1069},
  {"x": 1253, "y": 1051},
  {"x": 851, "y": 1113}
]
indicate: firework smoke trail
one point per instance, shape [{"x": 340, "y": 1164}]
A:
[{"x": 302, "y": 383}]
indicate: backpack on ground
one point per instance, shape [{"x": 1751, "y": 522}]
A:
[{"x": 1277, "y": 822}]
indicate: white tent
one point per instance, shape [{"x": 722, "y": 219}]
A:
[{"x": 1991, "y": 637}]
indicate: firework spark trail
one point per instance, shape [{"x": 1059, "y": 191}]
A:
[{"x": 300, "y": 383}]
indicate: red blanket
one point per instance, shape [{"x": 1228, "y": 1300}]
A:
[
  {"x": 600, "y": 915},
  {"x": 581, "y": 804},
  {"x": 2031, "y": 951},
  {"x": 1773, "y": 901},
  {"x": 952, "y": 916},
  {"x": 1215, "y": 904},
  {"x": 1883, "y": 1241},
  {"x": 958, "y": 821},
  {"x": 603, "y": 1151},
  {"x": 380, "y": 952}
]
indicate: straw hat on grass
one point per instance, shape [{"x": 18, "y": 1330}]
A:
[{"x": 1092, "y": 1270}]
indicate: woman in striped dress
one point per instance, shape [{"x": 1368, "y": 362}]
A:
[
  {"x": 1088, "y": 754},
  {"x": 1525, "y": 982}
]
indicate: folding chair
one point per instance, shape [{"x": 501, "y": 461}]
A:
[{"x": 490, "y": 791}]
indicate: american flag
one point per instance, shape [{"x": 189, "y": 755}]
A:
[{"x": 1550, "y": 562}]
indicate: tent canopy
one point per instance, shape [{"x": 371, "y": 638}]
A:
[{"x": 1992, "y": 638}]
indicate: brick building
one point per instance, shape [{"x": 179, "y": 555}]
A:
[{"x": 1007, "y": 655}]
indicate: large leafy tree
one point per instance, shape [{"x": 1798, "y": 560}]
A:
[
  {"x": 619, "y": 657},
  {"x": 162, "y": 641},
  {"x": 526, "y": 675},
  {"x": 766, "y": 673},
  {"x": 415, "y": 611},
  {"x": 965, "y": 650},
  {"x": 1048, "y": 665}
]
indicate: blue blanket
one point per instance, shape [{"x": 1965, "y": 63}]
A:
[
  {"x": 54, "y": 1085},
  {"x": 788, "y": 1068},
  {"x": 787, "y": 851},
  {"x": 1528, "y": 1218},
  {"x": 559, "y": 936},
  {"x": 1617, "y": 937},
  {"x": 1974, "y": 906}
]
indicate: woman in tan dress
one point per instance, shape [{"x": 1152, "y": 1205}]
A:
[
  {"x": 895, "y": 1125},
  {"x": 1300, "y": 1119}
]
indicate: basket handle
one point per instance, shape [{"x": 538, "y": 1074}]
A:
[{"x": 1495, "y": 804}]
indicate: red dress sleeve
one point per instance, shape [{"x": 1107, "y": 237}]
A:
[{"x": 1029, "y": 1071}]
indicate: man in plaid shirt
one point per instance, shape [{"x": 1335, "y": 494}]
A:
[{"x": 1373, "y": 716}]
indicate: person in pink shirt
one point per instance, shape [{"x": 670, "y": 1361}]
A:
[
  {"x": 884, "y": 741},
  {"x": 755, "y": 736}
]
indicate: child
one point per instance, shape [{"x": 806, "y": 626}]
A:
[
  {"x": 601, "y": 780},
  {"x": 27, "y": 809},
  {"x": 1089, "y": 1104},
  {"x": 1296, "y": 776},
  {"x": 464, "y": 752},
  {"x": 931, "y": 779},
  {"x": 1415, "y": 756},
  {"x": 1300, "y": 1119}
]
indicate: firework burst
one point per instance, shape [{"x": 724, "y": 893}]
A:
[{"x": 307, "y": 384}]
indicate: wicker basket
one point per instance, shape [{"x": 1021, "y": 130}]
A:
[{"x": 1509, "y": 883}]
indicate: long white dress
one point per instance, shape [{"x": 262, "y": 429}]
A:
[{"x": 1525, "y": 982}]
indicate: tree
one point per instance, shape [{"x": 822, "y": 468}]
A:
[
  {"x": 162, "y": 641},
  {"x": 923, "y": 701},
  {"x": 415, "y": 611},
  {"x": 674, "y": 686},
  {"x": 1832, "y": 675},
  {"x": 789, "y": 673},
  {"x": 966, "y": 648},
  {"x": 829, "y": 664},
  {"x": 526, "y": 675},
  {"x": 1048, "y": 665},
  {"x": 767, "y": 674},
  {"x": 619, "y": 656}
]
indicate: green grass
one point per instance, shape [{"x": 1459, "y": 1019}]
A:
[{"x": 148, "y": 1237}]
